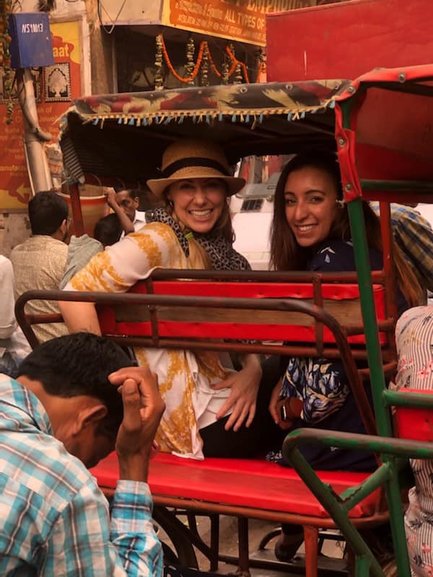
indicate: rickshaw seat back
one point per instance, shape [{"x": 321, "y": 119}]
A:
[
  {"x": 414, "y": 423},
  {"x": 167, "y": 322}
]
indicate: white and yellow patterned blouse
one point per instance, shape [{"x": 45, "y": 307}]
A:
[{"x": 185, "y": 379}]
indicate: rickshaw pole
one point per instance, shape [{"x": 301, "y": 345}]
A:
[
  {"x": 383, "y": 420},
  {"x": 77, "y": 215}
]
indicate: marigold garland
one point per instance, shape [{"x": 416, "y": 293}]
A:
[
  {"x": 203, "y": 51},
  {"x": 184, "y": 79},
  {"x": 237, "y": 62},
  {"x": 261, "y": 66}
]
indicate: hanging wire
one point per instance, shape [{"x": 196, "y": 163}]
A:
[{"x": 113, "y": 21}]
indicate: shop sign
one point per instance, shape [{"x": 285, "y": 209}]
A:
[
  {"x": 241, "y": 20},
  {"x": 31, "y": 40},
  {"x": 55, "y": 87}
]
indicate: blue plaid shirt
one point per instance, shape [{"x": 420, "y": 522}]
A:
[
  {"x": 54, "y": 520},
  {"x": 414, "y": 236}
]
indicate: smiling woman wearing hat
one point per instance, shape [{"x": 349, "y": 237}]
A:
[
  {"x": 195, "y": 185},
  {"x": 210, "y": 409},
  {"x": 194, "y": 159}
]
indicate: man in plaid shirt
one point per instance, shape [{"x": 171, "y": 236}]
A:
[
  {"x": 414, "y": 236},
  {"x": 75, "y": 399}
]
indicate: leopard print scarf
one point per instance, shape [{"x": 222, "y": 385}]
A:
[{"x": 221, "y": 252}]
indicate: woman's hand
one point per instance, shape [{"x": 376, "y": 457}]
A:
[
  {"x": 275, "y": 405},
  {"x": 284, "y": 411},
  {"x": 244, "y": 385}
]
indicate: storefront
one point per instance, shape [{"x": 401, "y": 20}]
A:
[{"x": 170, "y": 43}]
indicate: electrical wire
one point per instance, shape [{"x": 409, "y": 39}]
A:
[{"x": 113, "y": 21}]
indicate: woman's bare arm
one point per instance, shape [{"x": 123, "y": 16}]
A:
[{"x": 80, "y": 317}]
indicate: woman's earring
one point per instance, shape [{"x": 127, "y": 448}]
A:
[{"x": 340, "y": 203}]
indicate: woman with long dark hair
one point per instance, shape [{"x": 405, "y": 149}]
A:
[{"x": 311, "y": 231}]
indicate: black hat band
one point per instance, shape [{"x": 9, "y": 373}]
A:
[{"x": 193, "y": 162}]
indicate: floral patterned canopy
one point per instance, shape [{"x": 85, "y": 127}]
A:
[
  {"x": 213, "y": 102},
  {"x": 390, "y": 125},
  {"x": 245, "y": 119}
]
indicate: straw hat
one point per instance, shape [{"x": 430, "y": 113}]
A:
[{"x": 186, "y": 159}]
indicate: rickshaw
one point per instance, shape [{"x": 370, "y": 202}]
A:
[{"x": 381, "y": 128}]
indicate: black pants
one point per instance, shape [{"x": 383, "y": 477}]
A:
[{"x": 253, "y": 441}]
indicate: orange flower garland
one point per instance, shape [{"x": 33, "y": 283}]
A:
[
  {"x": 203, "y": 49},
  {"x": 184, "y": 79},
  {"x": 236, "y": 62}
]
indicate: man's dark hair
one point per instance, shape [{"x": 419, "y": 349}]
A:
[
  {"x": 108, "y": 230},
  {"x": 47, "y": 210},
  {"x": 132, "y": 192},
  {"x": 79, "y": 364}
]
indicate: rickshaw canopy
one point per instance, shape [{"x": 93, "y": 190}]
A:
[
  {"x": 388, "y": 119},
  {"x": 123, "y": 135}
]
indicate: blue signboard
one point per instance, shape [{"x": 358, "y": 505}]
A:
[{"x": 31, "y": 44}]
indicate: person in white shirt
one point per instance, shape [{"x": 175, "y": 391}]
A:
[
  {"x": 129, "y": 200},
  {"x": 13, "y": 344}
]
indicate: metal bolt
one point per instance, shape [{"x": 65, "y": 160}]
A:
[
  {"x": 351, "y": 89},
  {"x": 402, "y": 77},
  {"x": 341, "y": 142},
  {"x": 348, "y": 187}
]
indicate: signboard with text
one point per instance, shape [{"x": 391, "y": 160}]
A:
[
  {"x": 240, "y": 20},
  {"x": 30, "y": 40},
  {"x": 55, "y": 87}
]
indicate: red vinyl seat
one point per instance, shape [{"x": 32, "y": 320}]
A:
[{"x": 253, "y": 484}]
